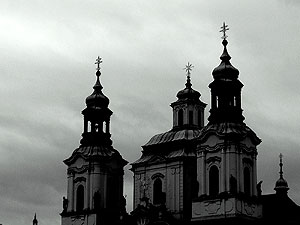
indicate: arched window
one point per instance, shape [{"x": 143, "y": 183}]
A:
[
  {"x": 158, "y": 194},
  {"x": 199, "y": 118},
  {"x": 247, "y": 182},
  {"x": 214, "y": 180},
  {"x": 80, "y": 198},
  {"x": 180, "y": 117}
]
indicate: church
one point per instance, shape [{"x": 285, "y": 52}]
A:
[{"x": 199, "y": 172}]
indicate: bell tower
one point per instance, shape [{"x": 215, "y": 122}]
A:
[
  {"x": 226, "y": 153},
  {"x": 95, "y": 169}
]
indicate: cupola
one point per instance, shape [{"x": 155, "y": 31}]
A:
[
  {"x": 96, "y": 115},
  {"x": 225, "y": 70},
  {"x": 225, "y": 90},
  {"x": 281, "y": 185},
  {"x": 188, "y": 110},
  {"x": 97, "y": 99}
]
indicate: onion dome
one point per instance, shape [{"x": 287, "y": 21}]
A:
[
  {"x": 281, "y": 185},
  {"x": 97, "y": 99},
  {"x": 225, "y": 70},
  {"x": 188, "y": 92}
]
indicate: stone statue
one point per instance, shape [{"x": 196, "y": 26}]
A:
[
  {"x": 65, "y": 204},
  {"x": 258, "y": 188}
]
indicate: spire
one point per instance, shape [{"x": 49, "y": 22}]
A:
[
  {"x": 98, "y": 85},
  {"x": 281, "y": 186},
  {"x": 280, "y": 165},
  {"x": 225, "y": 70},
  {"x": 34, "y": 222},
  {"x": 188, "y": 68},
  {"x": 97, "y": 98}
]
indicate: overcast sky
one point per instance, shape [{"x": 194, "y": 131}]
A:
[{"x": 47, "y": 55}]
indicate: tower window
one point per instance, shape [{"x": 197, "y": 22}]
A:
[
  {"x": 158, "y": 194},
  {"x": 191, "y": 117},
  {"x": 180, "y": 117},
  {"x": 199, "y": 118},
  {"x": 214, "y": 181},
  {"x": 247, "y": 181},
  {"x": 80, "y": 198}
]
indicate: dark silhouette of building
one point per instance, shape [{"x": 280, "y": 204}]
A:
[
  {"x": 95, "y": 168},
  {"x": 191, "y": 174}
]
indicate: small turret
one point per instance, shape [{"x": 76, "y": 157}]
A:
[
  {"x": 34, "y": 222},
  {"x": 281, "y": 186}
]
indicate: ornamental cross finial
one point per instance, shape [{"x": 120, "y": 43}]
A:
[
  {"x": 280, "y": 164},
  {"x": 188, "y": 68},
  {"x": 224, "y": 28},
  {"x": 98, "y": 62}
]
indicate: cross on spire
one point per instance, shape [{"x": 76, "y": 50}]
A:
[
  {"x": 98, "y": 62},
  {"x": 224, "y": 28},
  {"x": 188, "y": 68}
]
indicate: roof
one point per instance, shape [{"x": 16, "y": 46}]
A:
[
  {"x": 172, "y": 136},
  {"x": 224, "y": 129},
  {"x": 280, "y": 207},
  {"x": 89, "y": 152}
]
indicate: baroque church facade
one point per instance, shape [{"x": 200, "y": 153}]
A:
[{"x": 191, "y": 174}]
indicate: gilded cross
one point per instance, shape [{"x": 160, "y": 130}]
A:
[
  {"x": 224, "y": 28},
  {"x": 188, "y": 68},
  {"x": 98, "y": 62}
]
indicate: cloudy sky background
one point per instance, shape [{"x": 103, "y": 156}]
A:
[{"x": 47, "y": 55}]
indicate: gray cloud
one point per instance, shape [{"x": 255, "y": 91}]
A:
[{"x": 47, "y": 55}]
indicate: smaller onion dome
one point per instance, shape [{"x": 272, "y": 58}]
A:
[
  {"x": 97, "y": 99},
  {"x": 225, "y": 70},
  {"x": 188, "y": 92},
  {"x": 281, "y": 185}
]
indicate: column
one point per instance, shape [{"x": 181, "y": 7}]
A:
[
  {"x": 254, "y": 176},
  {"x": 203, "y": 183},
  {"x": 71, "y": 186},
  {"x": 228, "y": 153},
  {"x": 88, "y": 192},
  {"x": 238, "y": 171},
  {"x": 107, "y": 127},
  {"x": 223, "y": 170}
]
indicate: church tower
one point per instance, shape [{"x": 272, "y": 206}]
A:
[
  {"x": 95, "y": 169},
  {"x": 226, "y": 153},
  {"x": 165, "y": 175}
]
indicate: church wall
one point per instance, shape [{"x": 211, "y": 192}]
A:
[
  {"x": 172, "y": 177},
  {"x": 79, "y": 220},
  {"x": 231, "y": 158}
]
